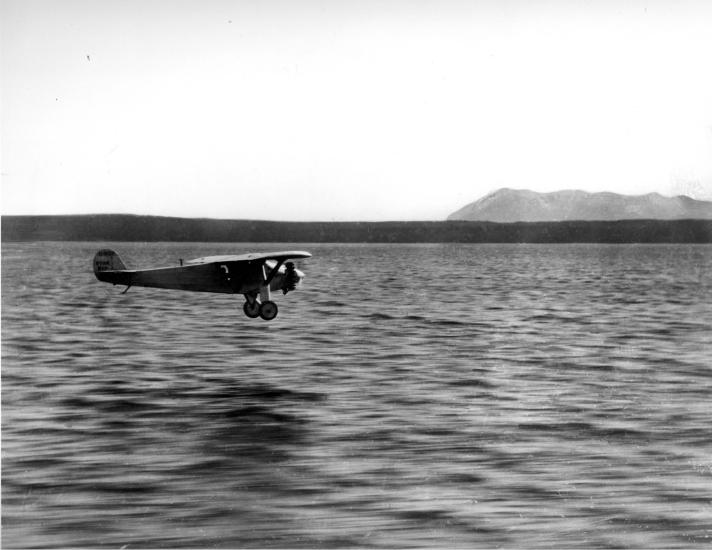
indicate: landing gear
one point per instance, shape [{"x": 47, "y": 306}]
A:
[
  {"x": 258, "y": 301},
  {"x": 252, "y": 309},
  {"x": 268, "y": 310}
]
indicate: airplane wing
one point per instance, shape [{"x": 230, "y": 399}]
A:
[{"x": 250, "y": 258}]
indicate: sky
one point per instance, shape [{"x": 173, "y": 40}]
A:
[{"x": 341, "y": 110}]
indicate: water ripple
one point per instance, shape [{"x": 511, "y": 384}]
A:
[{"x": 546, "y": 397}]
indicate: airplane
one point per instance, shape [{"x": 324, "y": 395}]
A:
[{"x": 254, "y": 275}]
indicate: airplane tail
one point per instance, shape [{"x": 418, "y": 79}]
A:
[{"x": 107, "y": 260}]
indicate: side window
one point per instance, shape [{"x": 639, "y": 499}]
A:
[{"x": 225, "y": 272}]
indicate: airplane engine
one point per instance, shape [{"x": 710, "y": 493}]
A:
[{"x": 291, "y": 277}]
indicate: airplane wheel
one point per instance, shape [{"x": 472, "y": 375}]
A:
[
  {"x": 268, "y": 310},
  {"x": 252, "y": 310}
]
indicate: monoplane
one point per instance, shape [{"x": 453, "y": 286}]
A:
[{"x": 253, "y": 275}]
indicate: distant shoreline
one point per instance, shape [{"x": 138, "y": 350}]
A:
[{"x": 133, "y": 228}]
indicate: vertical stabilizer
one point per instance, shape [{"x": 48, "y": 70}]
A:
[{"x": 107, "y": 260}]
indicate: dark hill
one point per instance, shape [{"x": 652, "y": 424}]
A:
[
  {"x": 119, "y": 227},
  {"x": 512, "y": 205}
]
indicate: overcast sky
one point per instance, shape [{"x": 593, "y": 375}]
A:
[{"x": 348, "y": 110}]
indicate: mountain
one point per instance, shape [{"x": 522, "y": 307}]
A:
[{"x": 513, "y": 205}]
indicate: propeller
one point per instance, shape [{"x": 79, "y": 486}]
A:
[{"x": 291, "y": 278}]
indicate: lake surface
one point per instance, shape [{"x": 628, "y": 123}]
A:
[{"x": 452, "y": 396}]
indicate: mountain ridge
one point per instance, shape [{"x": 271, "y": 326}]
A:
[{"x": 508, "y": 205}]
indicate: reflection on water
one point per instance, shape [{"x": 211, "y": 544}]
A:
[{"x": 438, "y": 396}]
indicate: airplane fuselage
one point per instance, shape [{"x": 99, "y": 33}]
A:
[{"x": 203, "y": 277}]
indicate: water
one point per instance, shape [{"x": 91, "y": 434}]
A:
[{"x": 439, "y": 396}]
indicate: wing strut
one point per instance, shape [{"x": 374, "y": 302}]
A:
[{"x": 274, "y": 272}]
